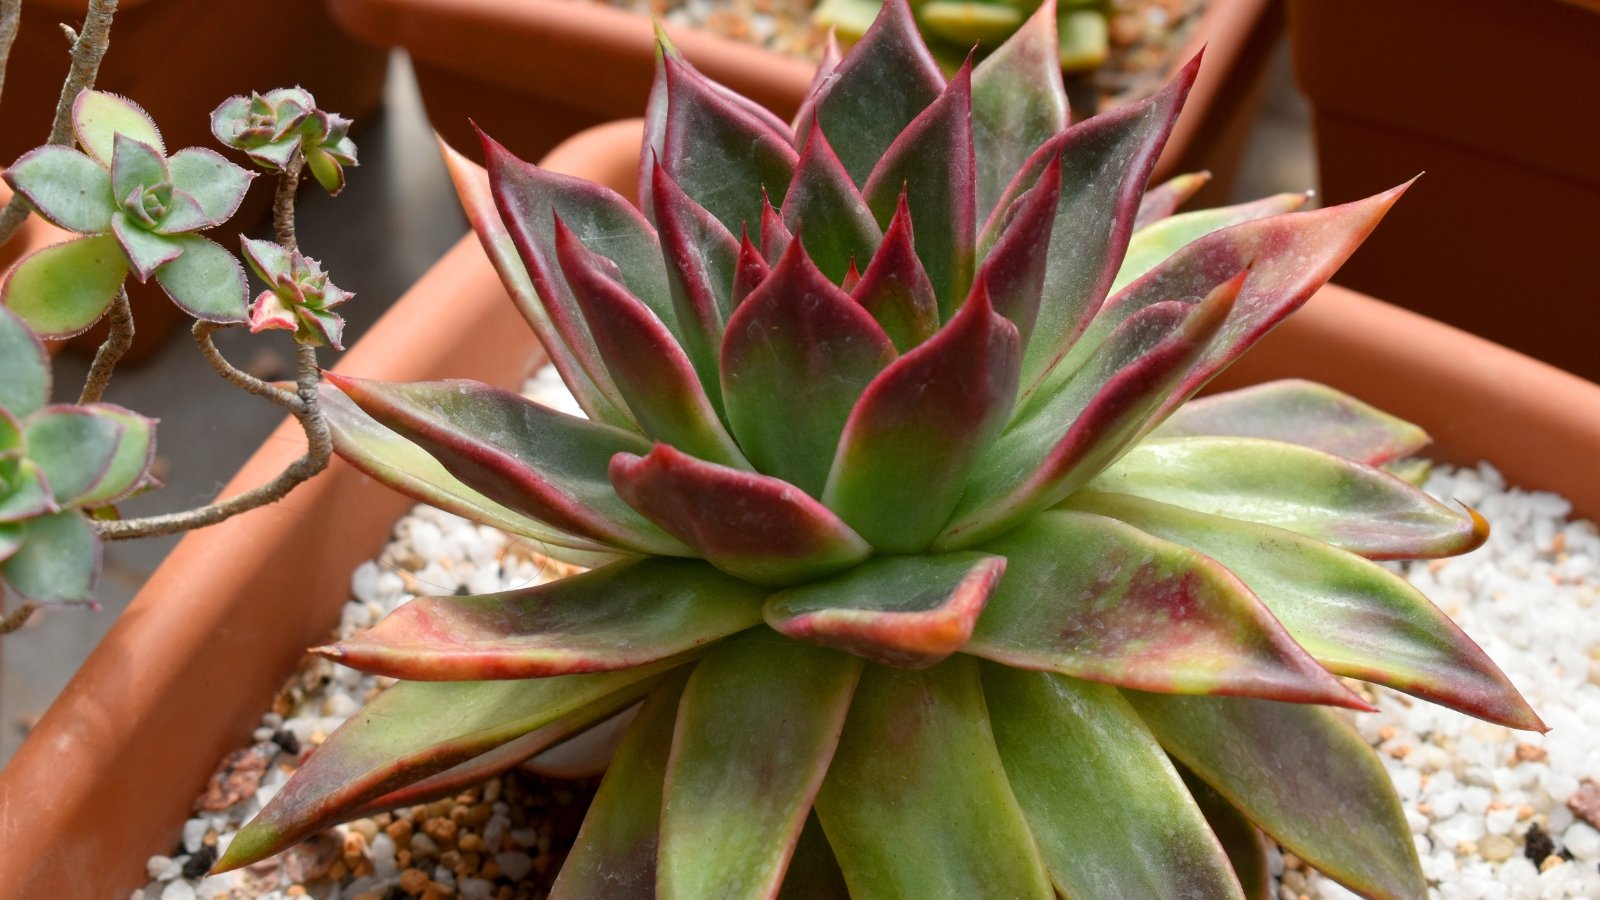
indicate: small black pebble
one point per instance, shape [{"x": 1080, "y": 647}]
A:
[
  {"x": 395, "y": 893},
  {"x": 200, "y": 863},
  {"x": 1539, "y": 845},
  {"x": 462, "y": 591},
  {"x": 286, "y": 741}
]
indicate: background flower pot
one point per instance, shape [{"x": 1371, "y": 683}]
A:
[
  {"x": 103, "y": 781},
  {"x": 533, "y": 72},
  {"x": 1487, "y": 98},
  {"x": 179, "y": 59}
]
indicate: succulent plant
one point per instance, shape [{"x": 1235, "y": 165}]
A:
[
  {"x": 954, "y": 28},
  {"x": 271, "y": 128},
  {"x": 930, "y": 581},
  {"x": 138, "y": 211},
  {"x": 298, "y": 295},
  {"x": 56, "y": 462}
]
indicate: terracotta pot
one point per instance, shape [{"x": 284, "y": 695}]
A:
[
  {"x": 107, "y": 777},
  {"x": 179, "y": 59},
  {"x": 533, "y": 72},
  {"x": 1494, "y": 102}
]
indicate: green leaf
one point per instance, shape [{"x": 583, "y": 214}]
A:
[
  {"x": 916, "y": 802},
  {"x": 218, "y": 185},
  {"x": 66, "y": 187},
  {"x": 135, "y": 165},
  {"x": 146, "y": 250},
  {"x": 129, "y": 467},
  {"x": 98, "y": 117},
  {"x": 1336, "y": 501},
  {"x": 75, "y": 447},
  {"x": 1303, "y": 776},
  {"x": 1018, "y": 103},
  {"x": 206, "y": 281},
  {"x": 61, "y": 290},
  {"x": 11, "y": 541},
  {"x": 1246, "y": 849},
  {"x": 28, "y": 493},
  {"x": 1111, "y": 815},
  {"x": 624, "y": 615},
  {"x": 327, "y": 170},
  {"x": 757, "y": 727},
  {"x": 58, "y": 560},
  {"x": 1151, "y": 245},
  {"x": 24, "y": 366},
  {"x": 826, "y": 210},
  {"x": 813, "y": 872},
  {"x": 910, "y": 611}
]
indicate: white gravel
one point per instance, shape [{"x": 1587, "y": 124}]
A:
[{"x": 1472, "y": 791}]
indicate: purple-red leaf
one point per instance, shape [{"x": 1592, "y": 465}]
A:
[
  {"x": 750, "y": 270},
  {"x": 1018, "y": 103},
  {"x": 895, "y": 288},
  {"x": 824, "y": 207},
  {"x": 797, "y": 355},
  {"x": 749, "y": 525},
  {"x": 775, "y": 236},
  {"x": 702, "y": 257},
  {"x": 922, "y": 422},
  {"x": 1164, "y": 199},
  {"x": 1014, "y": 269}
]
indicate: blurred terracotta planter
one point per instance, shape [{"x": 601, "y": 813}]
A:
[
  {"x": 533, "y": 72},
  {"x": 179, "y": 59},
  {"x": 1493, "y": 101},
  {"x": 107, "y": 777}
]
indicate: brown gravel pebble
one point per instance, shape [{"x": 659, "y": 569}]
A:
[
  {"x": 237, "y": 778},
  {"x": 1585, "y": 801}
]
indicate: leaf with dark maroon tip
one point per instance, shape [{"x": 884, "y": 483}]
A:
[
  {"x": 750, "y": 270},
  {"x": 719, "y": 152},
  {"x": 806, "y": 116},
  {"x": 919, "y": 427},
  {"x": 1148, "y": 247},
  {"x": 702, "y": 258},
  {"x": 1303, "y": 776},
  {"x": 775, "y": 236},
  {"x": 1164, "y": 199},
  {"x": 1014, "y": 269},
  {"x": 751, "y": 526},
  {"x": 534, "y": 460},
  {"x": 1018, "y": 103},
  {"x": 626, "y": 614},
  {"x": 797, "y": 354},
  {"x": 824, "y": 207},
  {"x": 895, "y": 288},
  {"x": 932, "y": 160},
  {"x": 1095, "y": 598},
  {"x": 757, "y": 727},
  {"x": 879, "y": 87},
  {"x": 909, "y": 611},
  {"x": 650, "y": 369},
  {"x": 1299, "y": 412}
]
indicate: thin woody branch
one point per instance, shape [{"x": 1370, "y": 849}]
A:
[{"x": 110, "y": 352}]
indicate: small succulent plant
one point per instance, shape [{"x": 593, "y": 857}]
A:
[
  {"x": 953, "y": 28},
  {"x": 138, "y": 211},
  {"x": 930, "y": 581},
  {"x": 271, "y": 128},
  {"x": 298, "y": 297},
  {"x": 56, "y": 463}
]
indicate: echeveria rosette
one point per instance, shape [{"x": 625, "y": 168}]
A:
[
  {"x": 56, "y": 462},
  {"x": 270, "y": 128},
  {"x": 138, "y": 211},
  {"x": 298, "y": 297},
  {"x": 932, "y": 583}
]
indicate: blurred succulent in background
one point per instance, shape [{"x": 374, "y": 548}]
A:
[
  {"x": 298, "y": 295},
  {"x": 270, "y": 127},
  {"x": 953, "y": 28},
  {"x": 931, "y": 583}
]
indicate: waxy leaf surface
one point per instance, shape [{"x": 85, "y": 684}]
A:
[
  {"x": 1018, "y": 103},
  {"x": 57, "y": 561},
  {"x": 75, "y": 446},
  {"x": 1149, "y": 246},
  {"x": 66, "y": 187},
  {"x": 895, "y": 288},
  {"x": 61, "y": 290},
  {"x": 24, "y": 367},
  {"x": 701, "y": 257},
  {"x": 824, "y": 207},
  {"x": 1164, "y": 199}
]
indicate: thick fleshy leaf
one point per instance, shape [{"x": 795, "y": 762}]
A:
[
  {"x": 757, "y": 726},
  {"x": 749, "y": 525},
  {"x": 920, "y": 425},
  {"x": 1018, "y": 103},
  {"x": 399, "y": 464},
  {"x": 615, "y": 851},
  {"x": 129, "y": 467},
  {"x": 98, "y": 117},
  {"x": 1242, "y": 841},
  {"x": 624, "y": 615},
  {"x": 184, "y": 214},
  {"x": 1094, "y": 598},
  {"x": 1014, "y": 269},
  {"x": 1357, "y": 618},
  {"x": 472, "y": 187},
  {"x": 217, "y": 185},
  {"x": 135, "y": 165},
  {"x": 1322, "y": 496},
  {"x": 932, "y": 161},
  {"x": 750, "y": 270},
  {"x": 916, "y": 803},
  {"x": 413, "y": 730},
  {"x": 718, "y": 151},
  {"x": 1299, "y": 412},
  {"x": 75, "y": 446},
  {"x": 1062, "y": 439},
  {"x": 1303, "y": 776},
  {"x": 66, "y": 187},
  {"x": 895, "y": 287},
  {"x": 206, "y": 281},
  {"x": 1164, "y": 199},
  {"x": 324, "y": 167},
  {"x": 824, "y": 207},
  {"x": 11, "y": 542},
  {"x": 61, "y": 290},
  {"x": 535, "y": 460},
  {"x": 813, "y": 872},
  {"x": 797, "y": 355},
  {"x": 28, "y": 493},
  {"x": 1105, "y": 162},
  {"x": 702, "y": 257},
  {"x": 1149, "y": 246},
  {"x": 910, "y": 611},
  {"x": 775, "y": 236},
  {"x": 1111, "y": 814},
  {"x": 24, "y": 367},
  {"x": 58, "y": 560},
  {"x": 646, "y": 362},
  {"x": 884, "y": 82},
  {"x": 146, "y": 250}
]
